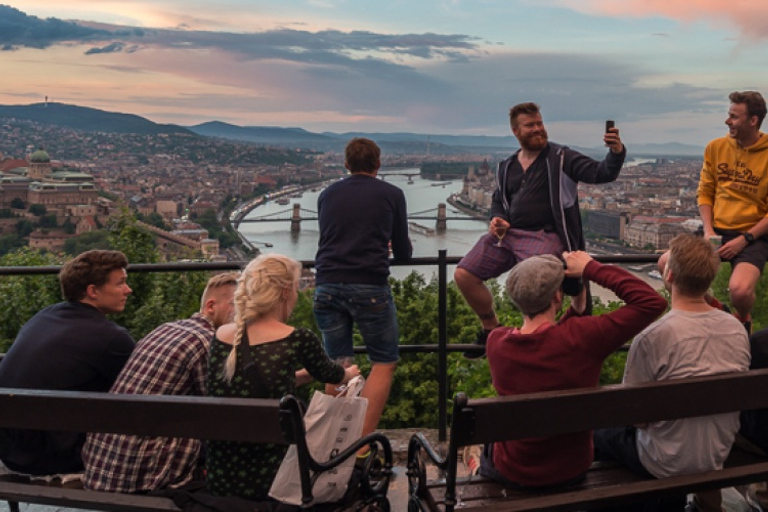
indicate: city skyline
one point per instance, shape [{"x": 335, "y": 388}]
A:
[{"x": 662, "y": 70}]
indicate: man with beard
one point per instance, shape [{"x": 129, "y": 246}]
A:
[{"x": 534, "y": 211}]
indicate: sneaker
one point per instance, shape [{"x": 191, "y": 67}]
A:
[
  {"x": 369, "y": 463},
  {"x": 477, "y": 353},
  {"x": 471, "y": 458}
]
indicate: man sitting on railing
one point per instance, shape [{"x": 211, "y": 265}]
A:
[
  {"x": 534, "y": 210},
  {"x": 693, "y": 339},
  {"x": 171, "y": 360},
  {"x": 544, "y": 354},
  {"x": 68, "y": 346}
]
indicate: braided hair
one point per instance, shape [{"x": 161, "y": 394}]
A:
[{"x": 260, "y": 288}]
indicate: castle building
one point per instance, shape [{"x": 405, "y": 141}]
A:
[{"x": 38, "y": 183}]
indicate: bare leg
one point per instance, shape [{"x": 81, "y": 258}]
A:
[
  {"x": 478, "y": 296},
  {"x": 742, "y": 286},
  {"x": 376, "y": 390}
]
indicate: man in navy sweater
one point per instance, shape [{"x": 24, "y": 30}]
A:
[
  {"x": 70, "y": 346},
  {"x": 360, "y": 219}
]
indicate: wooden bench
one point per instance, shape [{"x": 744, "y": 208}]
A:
[
  {"x": 232, "y": 419},
  {"x": 487, "y": 420}
]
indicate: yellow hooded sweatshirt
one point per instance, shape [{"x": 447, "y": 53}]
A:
[{"x": 734, "y": 182}]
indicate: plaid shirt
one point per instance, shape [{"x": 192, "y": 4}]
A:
[{"x": 171, "y": 360}]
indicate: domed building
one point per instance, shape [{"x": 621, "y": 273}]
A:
[
  {"x": 39, "y": 165},
  {"x": 39, "y": 183}
]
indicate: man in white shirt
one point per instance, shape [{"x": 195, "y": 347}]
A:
[{"x": 693, "y": 339}]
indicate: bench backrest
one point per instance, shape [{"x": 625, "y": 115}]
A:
[
  {"x": 231, "y": 419},
  {"x": 484, "y": 420}
]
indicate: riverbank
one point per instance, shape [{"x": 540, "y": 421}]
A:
[
  {"x": 457, "y": 202},
  {"x": 243, "y": 209}
]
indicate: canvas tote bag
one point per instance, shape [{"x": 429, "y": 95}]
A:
[{"x": 331, "y": 424}]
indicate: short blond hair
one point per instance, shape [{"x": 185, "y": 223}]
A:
[
  {"x": 216, "y": 282},
  {"x": 693, "y": 263}
]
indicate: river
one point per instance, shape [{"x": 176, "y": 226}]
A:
[{"x": 420, "y": 194}]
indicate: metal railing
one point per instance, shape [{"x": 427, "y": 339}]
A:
[{"x": 442, "y": 347}]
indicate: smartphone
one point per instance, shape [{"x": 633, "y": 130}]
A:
[{"x": 608, "y": 125}]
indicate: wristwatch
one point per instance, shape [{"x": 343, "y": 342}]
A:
[{"x": 749, "y": 237}]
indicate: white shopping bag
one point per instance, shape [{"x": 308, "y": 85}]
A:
[{"x": 332, "y": 424}]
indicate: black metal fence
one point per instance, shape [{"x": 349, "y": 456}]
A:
[{"x": 441, "y": 347}]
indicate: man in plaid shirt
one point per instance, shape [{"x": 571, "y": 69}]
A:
[{"x": 171, "y": 360}]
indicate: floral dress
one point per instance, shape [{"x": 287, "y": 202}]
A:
[{"x": 242, "y": 469}]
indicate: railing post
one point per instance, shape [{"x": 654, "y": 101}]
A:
[{"x": 442, "y": 352}]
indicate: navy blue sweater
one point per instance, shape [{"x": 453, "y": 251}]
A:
[
  {"x": 68, "y": 346},
  {"x": 358, "y": 217}
]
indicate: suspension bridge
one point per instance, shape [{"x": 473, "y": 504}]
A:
[{"x": 297, "y": 214}]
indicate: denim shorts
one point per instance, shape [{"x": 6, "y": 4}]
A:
[{"x": 338, "y": 307}]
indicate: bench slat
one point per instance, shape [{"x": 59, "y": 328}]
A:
[
  {"x": 559, "y": 412},
  {"x": 80, "y": 498},
  {"x": 604, "y": 486},
  {"x": 237, "y": 419}
]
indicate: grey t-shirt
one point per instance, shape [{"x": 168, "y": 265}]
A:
[{"x": 687, "y": 344}]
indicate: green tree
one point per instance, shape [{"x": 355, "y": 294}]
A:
[
  {"x": 17, "y": 203},
  {"x": 37, "y": 209},
  {"x": 24, "y": 227},
  {"x": 98, "y": 239},
  {"x": 48, "y": 221},
  {"x": 154, "y": 219},
  {"x": 10, "y": 243},
  {"x": 69, "y": 227},
  {"x": 23, "y": 296}
]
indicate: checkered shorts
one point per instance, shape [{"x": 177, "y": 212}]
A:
[{"x": 485, "y": 260}]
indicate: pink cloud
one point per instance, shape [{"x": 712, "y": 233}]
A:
[{"x": 751, "y": 17}]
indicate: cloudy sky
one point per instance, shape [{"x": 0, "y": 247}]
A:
[{"x": 662, "y": 69}]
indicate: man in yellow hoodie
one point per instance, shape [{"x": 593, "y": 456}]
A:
[{"x": 733, "y": 197}]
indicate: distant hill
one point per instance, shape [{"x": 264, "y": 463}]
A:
[
  {"x": 88, "y": 119},
  {"x": 405, "y": 142},
  {"x": 261, "y": 134},
  {"x": 94, "y": 120},
  {"x": 402, "y": 142}
]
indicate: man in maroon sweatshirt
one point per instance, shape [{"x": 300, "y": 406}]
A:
[{"x": 544, "y": 354}]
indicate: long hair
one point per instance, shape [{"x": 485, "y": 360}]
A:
[{"x": 260, "y": 288}]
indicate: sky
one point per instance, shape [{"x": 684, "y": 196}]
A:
[{"x": 662, "y": 69}]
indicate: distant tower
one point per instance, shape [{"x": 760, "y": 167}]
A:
[
  {"x": 427, "y": 145},
  {"x": 39, "y": 165},
  {"x": 46, "y": 101}
]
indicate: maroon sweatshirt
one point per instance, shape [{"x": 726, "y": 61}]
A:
[{"x": 566, "y": 355}]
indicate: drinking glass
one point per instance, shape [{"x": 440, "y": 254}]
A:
[{"x": 500, "y": 232}]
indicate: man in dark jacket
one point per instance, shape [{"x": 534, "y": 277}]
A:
[
  {"x": 70, "y": 346},
  {"x": 535, "y": 210}
]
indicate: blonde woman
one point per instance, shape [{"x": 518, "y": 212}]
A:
[{"x": 258, "y": 356}]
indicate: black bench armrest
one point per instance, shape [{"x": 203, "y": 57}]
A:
[{"x": 292, "y": 423}]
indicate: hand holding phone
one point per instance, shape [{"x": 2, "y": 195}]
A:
[{"x": 611, "y": 137}]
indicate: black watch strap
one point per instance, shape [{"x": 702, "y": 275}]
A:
[{"x": 749, "y": 237}]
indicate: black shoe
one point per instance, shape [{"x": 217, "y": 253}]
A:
[{"x": 477, "y": 353}]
